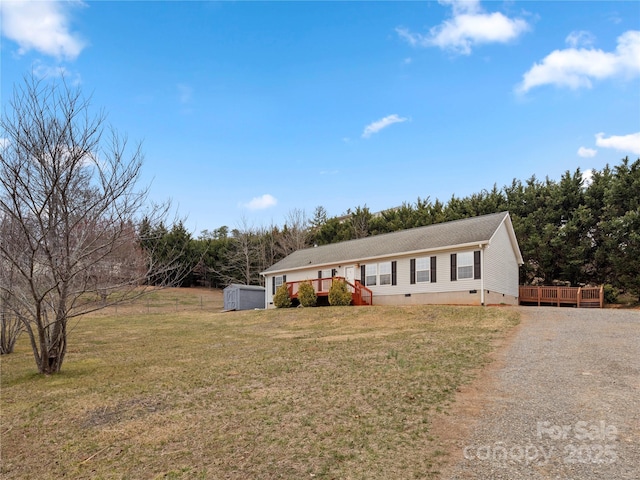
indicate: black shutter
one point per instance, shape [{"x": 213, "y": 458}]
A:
[
  {"x": 273, "y": 285},
  {"x": 394, "y": 280},
  {"x": 454, "y": 268},
  {"x": 412, "y": 271},
  {"x": 284, "y": 279},
  {"x": 333, "y": 272},
  {"x": 319, "y": 273},
  {"x": 433, "y": 269},
  {"x": 476, "y": 264},
  {"x": 363, "y": 279}
]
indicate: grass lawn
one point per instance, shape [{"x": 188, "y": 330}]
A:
[{"x": 184, "y": 391}]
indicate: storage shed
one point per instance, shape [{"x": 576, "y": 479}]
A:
[{"x": 243, "y": 297}]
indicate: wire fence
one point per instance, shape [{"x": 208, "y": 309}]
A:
[{"x": 173, "y": 300}]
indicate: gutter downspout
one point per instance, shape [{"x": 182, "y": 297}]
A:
[
  {"x": 266, "y": 291},
  {"x": 482, "y": 274}
]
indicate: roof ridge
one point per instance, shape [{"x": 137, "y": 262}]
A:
[{"x": 448, "y": 222}]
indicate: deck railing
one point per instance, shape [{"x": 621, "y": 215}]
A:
[
  {"x": 360, "y": 294},
  {"x": 578, "y": 296}
]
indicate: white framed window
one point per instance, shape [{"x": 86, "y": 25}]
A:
[
  {"x": 326, "y": 273},
  {"x": 423, "y": 267},
  {"x": 465, "y": 265},
  {"x": 371, "y": 274},
  {"x": 385, "y": 273},
  {"x": 278, "y": 281}
]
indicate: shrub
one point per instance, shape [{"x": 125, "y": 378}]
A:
[
  {"x": 610, "y": 293},
  {"x": 307, "y": 295},
  {"x": 281, "y": 298},
  {"x": 339, "y": 295}
]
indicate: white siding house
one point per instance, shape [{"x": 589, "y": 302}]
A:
[{"x": 473, "y": 261}]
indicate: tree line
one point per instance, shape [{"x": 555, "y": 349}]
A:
[{"x": 579, "y": 230}]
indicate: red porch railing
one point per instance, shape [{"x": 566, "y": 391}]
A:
[
  {"x": 360, "y": 295},
  {"x": 578, "y": 296}
]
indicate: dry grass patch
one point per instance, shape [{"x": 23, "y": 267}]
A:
[{"x": 333, "y": 392}]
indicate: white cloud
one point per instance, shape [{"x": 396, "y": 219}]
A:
[
  {"x": 614, "y": 17},
  {"x": 378, "y": 125},
  {"x": 587, "y": 152},
  {"x": 462, "y": 6},
  {"x": 580, "y": 39},
  {"x": 261, "y": 203},
  {"x": 577, "y": 67},
  {"x": 3, "y": 143},
  {"x": 626, "y": 143},
  {"x": 42, "y": 70},
  {"x": 41, "y": 26},
  {"x": 587, "y": 178},
  {"x": 469, "y": 26}
]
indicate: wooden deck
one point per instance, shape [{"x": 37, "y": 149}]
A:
[
  {"x": 581, "y": 297},
  {"x": 360, "y": 294}
]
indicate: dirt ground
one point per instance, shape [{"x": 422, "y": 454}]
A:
[{"x": 456, "y": 425}]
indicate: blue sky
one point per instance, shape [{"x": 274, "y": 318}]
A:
[{"x": 248, "y": 110}]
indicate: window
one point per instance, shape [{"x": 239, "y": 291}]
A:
[
  {"x": 276, "y": 282},
  {"x": 371, "y": 273},
  {"x": 327, "y": 273},
  {"x": 422, "y": 269},
  {"x": 465, "y": 265},
  {"x": 385, "y": 273}
]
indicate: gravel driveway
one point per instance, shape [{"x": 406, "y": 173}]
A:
[{"x": 563, "y": 401}]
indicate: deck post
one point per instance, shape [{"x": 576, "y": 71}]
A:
[
  {"x": 579, "y": 295},
  {"x": 601, "y": 296},
  {"x": 539, "y": 289}
]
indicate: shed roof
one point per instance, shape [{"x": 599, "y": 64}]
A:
[
  {"x": 468, "y": 231},
  {"x": 240, "y": 286}
]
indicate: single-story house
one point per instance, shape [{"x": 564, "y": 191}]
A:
[{"x": 474, "y": 261}]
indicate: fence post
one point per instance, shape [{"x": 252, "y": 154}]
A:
[{"x": 601, "y": 296}]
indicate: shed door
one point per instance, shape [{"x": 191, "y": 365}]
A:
[{"x": 230, "y": 296}]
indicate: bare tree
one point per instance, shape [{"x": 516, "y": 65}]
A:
[
  {"x": 69, "y": 198},
  {"x": 295, "y": 234},
  {"x": 10, "y": 324},
  {"x": 268, "y": 248},
  {"x": 10, "y": 327},
  {"x": 242, "y": 263}
]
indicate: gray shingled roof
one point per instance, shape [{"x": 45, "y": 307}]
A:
[{"x": 441, "y": 235}]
